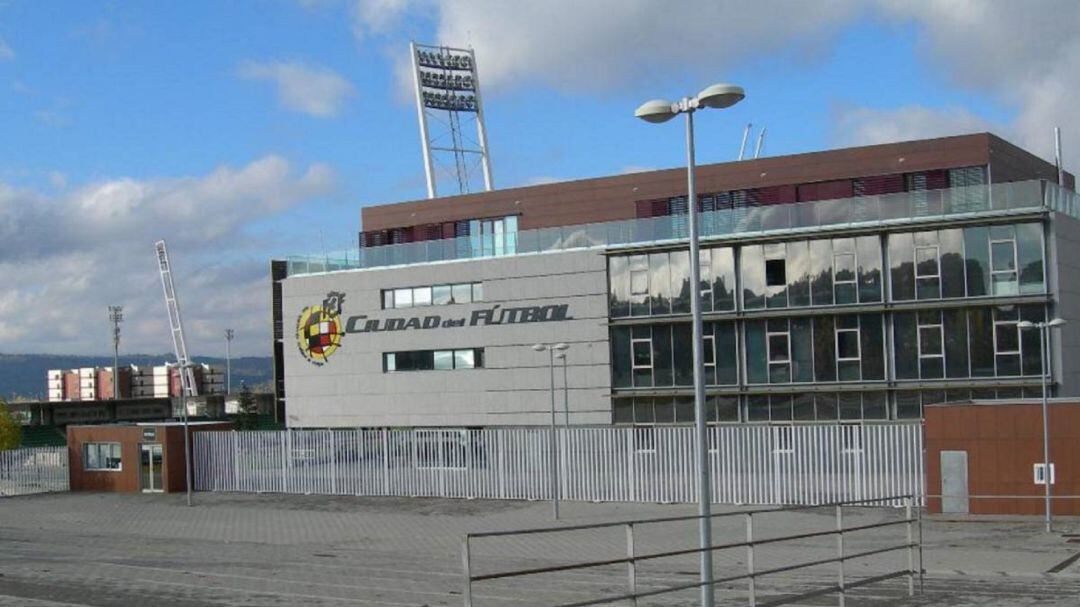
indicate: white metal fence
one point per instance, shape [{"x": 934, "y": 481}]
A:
[
  {"x": 33, "y": 470},
  {"x": 750, "y": 464}
]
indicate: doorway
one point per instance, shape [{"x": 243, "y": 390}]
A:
[{"x": 150, "y": 470}]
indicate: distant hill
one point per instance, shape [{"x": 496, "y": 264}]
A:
[{"x": 23, "y": 375}]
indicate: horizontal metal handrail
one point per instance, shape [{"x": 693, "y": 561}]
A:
[
  {"x": 688, "y": 517},
  {"x": 632, "y": 558},
  {"x": 713, "y": 548}
]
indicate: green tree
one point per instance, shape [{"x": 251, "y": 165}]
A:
[
  {"x": 248, "y": 416},
  {"x": 10, "y": 430}
]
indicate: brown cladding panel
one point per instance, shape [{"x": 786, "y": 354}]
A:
[
  {"x": 615, "y": 197},
  {"x": 1003, "y": 442}
]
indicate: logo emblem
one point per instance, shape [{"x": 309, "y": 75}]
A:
[{"x": 319, "y": 329}]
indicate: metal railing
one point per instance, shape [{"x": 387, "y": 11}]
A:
[
  {"x": 751, "y": 464},
  {"x": 33, "y": 470},
  {"x": 912, "y": 546},
  {"x": 860, "y": 211}
]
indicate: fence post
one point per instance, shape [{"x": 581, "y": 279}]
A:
[
  {"x": 910, "y": 548},
  {"x": 236, "y": 460},
  {"x": 631, "y": 565},
  {"x": 750, "y": 557},
  {"x": 840, "y": 552},
  {"x": 386, "y": 462},
  {"x": 467, "y": 563},
  {"x": 333, "y": 464}
]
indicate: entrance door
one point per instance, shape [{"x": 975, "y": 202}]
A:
[
  {"x": 954, "y": 482},
  {"x": 150, "y": 472}
]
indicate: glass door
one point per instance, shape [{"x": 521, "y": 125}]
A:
[{"x": 150, "y": 469}]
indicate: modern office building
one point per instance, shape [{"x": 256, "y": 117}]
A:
[
  {"x": 160, "y": 381},
  {"x": 837, "y": 286}
]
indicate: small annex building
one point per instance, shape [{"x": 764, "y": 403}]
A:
[
  {"x": 987, "y": 457},
  {"x": 134, "y": 457}
]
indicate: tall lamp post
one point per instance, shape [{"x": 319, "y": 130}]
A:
[
  {"x": 717, "y": 96},
  {"x": 553, "y": 444},
  {"x": 565, "y": 391},
  {"x": 116, "y": 316},
  {"x": 229, "y": 333},
  {"x": 1044, "y": 346}
]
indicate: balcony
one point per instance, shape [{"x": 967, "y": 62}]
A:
[{"x": 846, "y": 213}]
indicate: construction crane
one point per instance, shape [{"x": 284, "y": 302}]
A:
[{"x": 187, "y": 376}]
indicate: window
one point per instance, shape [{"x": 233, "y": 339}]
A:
[
  {"x": 778, "y": 341},
  {"x": 639, "y": 275},
  {"x": 705, "y": 274},
  {"x": 1003, "y": 275},
  {"x": 848, "y": 351},
  {"x": 641, "y": 350},
  {"x": 844, "y": 272},
  {"x": 101, "y": 456},
  {"x": 927, "y": 272},
  {"x": 433, "y": 360},
  {"x": 775, "y": 275},
  {"x": 437, "y": 295},
  {"x": 494, "y": 236},
  {"x": 709, "y": 356},
  {"x": 931, "y": 341},
  {"x": 1006, "y": 341}
]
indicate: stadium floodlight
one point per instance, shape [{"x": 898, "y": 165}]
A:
[{"x": 717, "y": 96}]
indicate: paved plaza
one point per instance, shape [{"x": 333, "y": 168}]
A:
[{"x": 242, "y": 550}]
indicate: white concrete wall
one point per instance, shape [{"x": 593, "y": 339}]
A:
[{"x": 352, "y": 390}]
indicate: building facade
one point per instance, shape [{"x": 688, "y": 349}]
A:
[
  {"x": 844, "y": 286},
  {"x": 161, "y": 381}
]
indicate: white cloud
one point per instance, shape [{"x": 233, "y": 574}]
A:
[
  {"x": 312, "y": 90},
  {"x": 865, "y": 126},
  {"x": 66, "y": 256},
  {"x": 1022, "y": 54},
  {"x": 6, "y": 54}
]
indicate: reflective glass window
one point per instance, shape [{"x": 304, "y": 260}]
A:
[
  {"x": 622, "y": 411},
  {"x": 1029, "y": 251},
  {"x": 752, "y": 272},
  {"x": 441, "y": 295},
  {"x": 872, "y": 346},
  {"x": 641, "y": 353},
  {"x": 723, "y": 276},
  {"x": 845, "y": 271},
  {"x": 444, "y": 359},
  {"x": 977, "y": 260},
  {"x": 848, "y": 361},
  {"x": 850, "y": 405},
  {"x": 821, "y": 272},
  {"x": 981, "y": 338},
  {"x": 869, "y": 255},
  {"x": 477, "y": 291},
  {"x": 951, "y": 249},
  {"x": 779, "y": 344},
  {"x": 402, "y": 298},
  {"x": 618, "y": 291},
  {"x": 639, "y": 285},
  {"x": 1006, "y": 341},
  {"x": 756, "y": 352},
  {"x": 826, "y": 407},
  {"x": 956, "y": 346},
  {"x": 927, "y": 272},
  {"x": 659, "y": 283},
  {"x": 1003, "y": 274},
  {"x": 780, "y": 408},
  {"x": 757, "y": 408},
  {"x": 824, "y": 348},
  {"x": 421, "y": 296},
  {"x": 727, "y": 372},
  {"x": 664, "y": 410},
  {"x": 902, "y": 266},
  {"x": 683, "y": 354},
  {"x": 803, "y": 407},
  {"x": 905, "y": 345},
  {"x": 1030, "y": 348},
  {"x": 620, "y": 357},
  {"x": 661, "y": 359},
  {"x": 461, "y": 293},
  {"x": 802, "y": 350},
  {"x": 875, "y": 405},
  {"x": 464, "y": 359},
  {"x": 798, "y": 273},
  {"x": 931, "y": 345},
  {"x": 679, "y": 262}
]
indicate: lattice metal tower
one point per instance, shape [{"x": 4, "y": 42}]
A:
[{"x": 447, "y": 100}]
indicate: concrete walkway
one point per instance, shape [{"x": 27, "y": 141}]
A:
[{"x": 242, "y": 550}]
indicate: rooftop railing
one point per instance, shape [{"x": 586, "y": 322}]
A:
[{"x": 860, "y": 211}]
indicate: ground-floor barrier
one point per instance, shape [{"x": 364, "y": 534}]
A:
[{"x": 749, "y": 464}]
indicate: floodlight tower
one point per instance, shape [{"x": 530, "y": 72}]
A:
[
  {"x": 448, "y": 94},
  {"x": 116, "y": 316}
]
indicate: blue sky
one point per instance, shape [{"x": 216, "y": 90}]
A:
[{"x": 241, "y": 129}]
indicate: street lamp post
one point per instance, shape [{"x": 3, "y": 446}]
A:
[
  {"x": 116, "y": 316},
  {"x": 566, "y": 391},
  {"x": 229, "y": 334},
  {"x": 1044, "y": 346},
  {"x": 717, "y": 96},
  {"x": 553, "y": 440}
]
